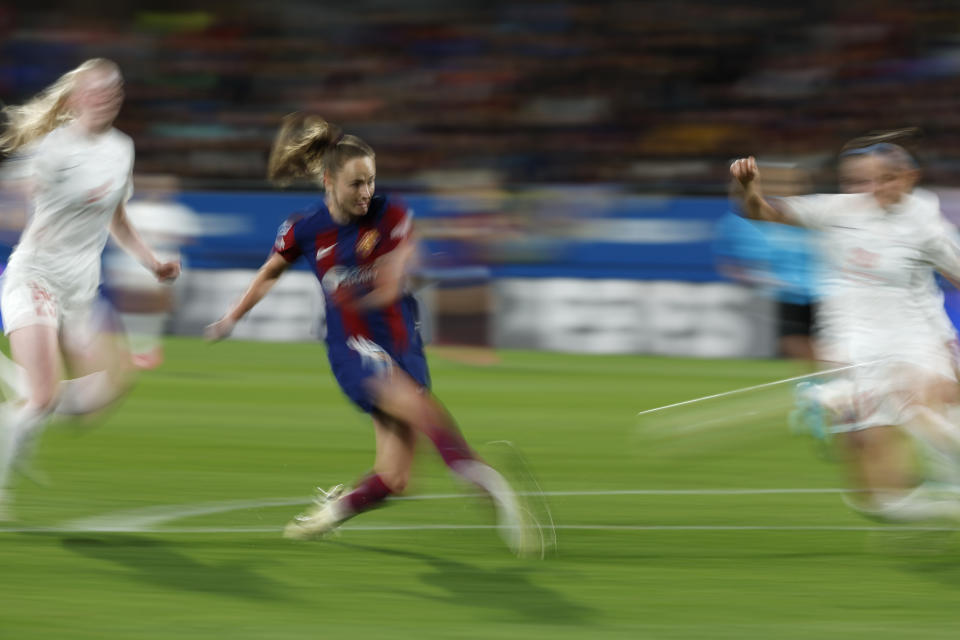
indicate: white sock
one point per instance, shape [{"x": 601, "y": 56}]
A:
[
  {"x": 7, "y": 446},
  {"x": 20, "y": 427},
  {"x": 918, "y": 505},
  {"x": 13, "y": 379}
]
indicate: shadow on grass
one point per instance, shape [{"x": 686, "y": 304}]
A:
[
  {"x": 160, "y": 563},
  {"x": 504, "y": 590}
]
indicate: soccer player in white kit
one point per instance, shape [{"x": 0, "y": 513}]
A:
[
  {"x": 78, "y": 168},
  {"x": 882, "y": 243}
]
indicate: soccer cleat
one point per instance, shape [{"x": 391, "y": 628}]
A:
[
  {"x": 515, "y": 522},
  {"x": 518, "y": 527},
  {"x": 318, "y": 520},
  {"x": 809, "y": 417},
  {"x": 538, "y": 529}
]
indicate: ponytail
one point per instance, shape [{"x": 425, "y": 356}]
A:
[{"x": 307, "y": 146}]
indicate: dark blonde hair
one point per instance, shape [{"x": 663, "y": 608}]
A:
[
  {"x": 887, "y": 145},
  {"x": 47, "y": 110},
  {"x": 307, "y": 146}
]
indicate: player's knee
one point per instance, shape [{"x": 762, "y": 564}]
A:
[{"x": 44, "y": 398}]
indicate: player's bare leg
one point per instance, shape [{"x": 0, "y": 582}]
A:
[
  {"x": 101, "y": 367},
  {"x": 37, "y": 348},
  {"x": 402, "y": 398},
  {"x": 882, "y": 469},
  {"x": 396, "y": 444}
]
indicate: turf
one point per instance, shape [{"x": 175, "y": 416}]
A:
[{"x": 259, "y": 422}]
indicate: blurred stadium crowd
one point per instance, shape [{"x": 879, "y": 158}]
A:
[{"x": 656, "y": 94}]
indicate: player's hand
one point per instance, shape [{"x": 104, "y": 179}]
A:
[
  {"x": 219, "y": 330},
  {"x": 745, "y": 170},
  {"x": 167, "y": 271},
  {"x": 344, "y": 297}
]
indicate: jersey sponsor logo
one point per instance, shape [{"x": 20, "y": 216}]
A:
[
  {"x": 367, "y": 242},
  {"x": 863, "y": 258},
  {"x": 340, "y": 276}
]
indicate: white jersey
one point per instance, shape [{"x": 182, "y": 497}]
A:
[
  {"x": 78, "y": 181},
  {"x": 880, "y": 300}
]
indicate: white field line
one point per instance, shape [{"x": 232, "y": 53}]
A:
[
  {"x": 758, "y": 386},
  {"x": 146, "y": 518},
  {"x": 472, "y": 527}
]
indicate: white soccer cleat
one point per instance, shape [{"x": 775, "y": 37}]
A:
[
  {"x": 320, "y": 519},
  {"x": 515, "y": 523}
]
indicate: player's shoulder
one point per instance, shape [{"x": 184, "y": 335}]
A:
[
  {"x": 316, "y": 217},
  {"x": 924, "y": 203},
  {"x": 822, "y": 201},
  {"x": 839, "y": 200},
  {"x": 120, "y": 137},
  {"x": 59, "y": 139},
  {"x": 925, "y": 216},
  {"x": 387, "y": 206},
  {"x": 392, "y": 213}
]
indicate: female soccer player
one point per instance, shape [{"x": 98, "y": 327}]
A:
[
  {"x": 359, "y": 247},
  {"x": 882, "y": 243},
  {"x": 79, "y": 175}
]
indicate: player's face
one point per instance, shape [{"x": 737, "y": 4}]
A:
[
  {"x": 98, "y": 96},
  {"x": 875, "y": 175},
  {"x": 351, "y": 189},
  {"x": 856, "y": 174},
  {"x": 892, "y": 182}
]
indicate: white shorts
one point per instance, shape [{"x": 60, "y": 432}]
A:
[
  {"x": 33, "y": 302},
  {"x": 881, "y": 394}
]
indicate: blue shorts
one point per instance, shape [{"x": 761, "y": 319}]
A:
[{"x": 361, "y": 360}]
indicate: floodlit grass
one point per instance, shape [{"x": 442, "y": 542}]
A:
[{"x": 265, "y": 423}]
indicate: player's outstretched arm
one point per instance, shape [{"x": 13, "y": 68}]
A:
[
  {"x": 261, "y": 284},
  {"x": 755, "y": 206},
  {"x": 131, "y": 242}
]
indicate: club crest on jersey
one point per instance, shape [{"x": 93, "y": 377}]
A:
[{"x": 367, "y": 242}]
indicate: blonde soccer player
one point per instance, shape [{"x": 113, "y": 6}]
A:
[
  {"x": 359, "y": 244},
  {"x": 77, "y": 167},
  {"x": 882, "y": 243}
]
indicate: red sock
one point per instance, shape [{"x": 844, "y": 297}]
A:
[
  {"x": 366, "y": 495},
  {"x": 450, "y": 445}
]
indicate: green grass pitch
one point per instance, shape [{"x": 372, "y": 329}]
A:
[{"x": 246, "y": 431}]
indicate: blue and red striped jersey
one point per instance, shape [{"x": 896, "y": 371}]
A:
[{"x": 345, "y": 256}]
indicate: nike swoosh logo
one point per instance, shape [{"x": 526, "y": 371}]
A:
[{"x": 323, "y": 252}]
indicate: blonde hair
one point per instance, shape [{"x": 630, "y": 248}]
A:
[
  {"x": 307, "y": 146},
  {"x": 47, "y": 110}
]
